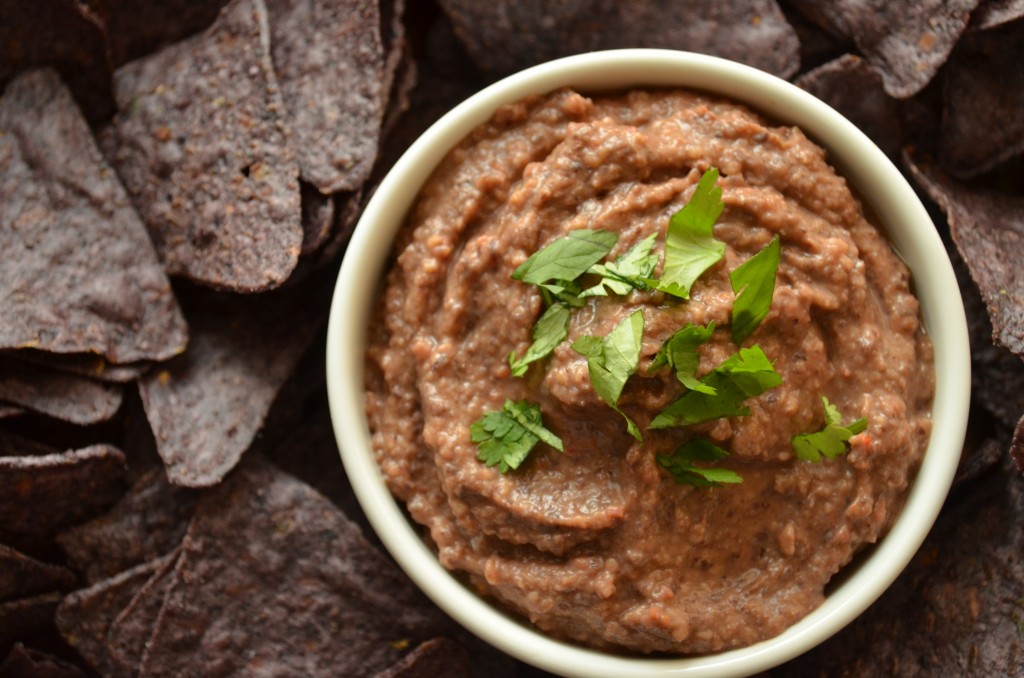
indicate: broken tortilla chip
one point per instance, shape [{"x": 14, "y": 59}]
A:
[
  {"x": 78, "y": 272},
  {"x": 198, "y": 142}
]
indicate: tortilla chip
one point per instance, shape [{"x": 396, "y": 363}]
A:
[
  {"x": 64, "y": 34},
  {"x": 435, "y": 657},
  {"x": 993, "y": 13},
  {"x": 25, "y": 662},
  {"x": 907, "y": 43},
  {"x": 40, "y": 494},
  {"x": 78, "y": 270},
  {"x": 137, "y": 27},
  {"x": 57, "y": 394},
  {"x": 84, "y": 617},
  {"x": 330, "y": 63},
  {"x": 983, "y": 95},
  {"x": 317, "y": 219},
  {"x": 303, "y": 592},
  {"x": 13, "y": 445},
  {"x": 22, "y": 576},
  {"x": 198, "y": 143},
  {"x": 149, "y": 521},
  {"x": 26, "y": 618},
  {"x": 133, "y": 627},
  {"x": 504, "y": 36},
  {"x": 956, "y": 609},
  {"x": 206, "y": 406},
  {"x": 987, "y": 228},
  {"x": 8, "y": 411},
  {"x": 84, "y": 365},
  {"x": 852, "y": 87}
]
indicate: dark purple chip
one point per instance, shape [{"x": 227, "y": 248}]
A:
[
  {"x": 79, "y": 273},
  {"x": 84, "y": 617},
  {"x": 84, "y": 365},
  {"x": 435, "y": 657},
  {"x": 301, "y": 590},
  {"x": 199, "y": 144},
  {"x": 992, "y": 13},
  {"x": 987, "y": 227},
  {"x": 21, "y": 575},
  {"x": 906, "y": 42},
  {"x": 8, "y": 411},
  {"x": 851, "y": 86},
  {"x": 206, "y": 406},
  {"x": 133, "y": 627},
  {"x": 65, "y": 34},
  {"x": 147, "y": 522},
  {"x": 27, "y": 618},
  {"x": 330, "y": 63},
  {"x": 57, "y": 394},
  {"x": 137, "y": 27},
  {"x": 14, "y": 445},
  {"x": 41, "y": 494},
  {"x": 317, "y": 219},
  {"x": 26, "y": 662},
  {"x": 983, "y": 100},
  {"x": 507, "y": 35}
]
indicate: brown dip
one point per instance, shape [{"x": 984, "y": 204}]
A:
[{"x": 599, "y": 544}]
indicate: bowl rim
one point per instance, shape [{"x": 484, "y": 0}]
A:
[{"x": 879, "y": 183}]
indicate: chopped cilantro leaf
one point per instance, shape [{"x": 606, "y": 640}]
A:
[
  {"x": 829, "y": 441},
  {"x": 680, "y": 351},
  {"x": 690, "y": 246},
  {"x": 507, "y": 436},
  {"x": 556, "y": 267},
  {"x": 612, "y": 360},
  {"x": 754, "y": 285},
  {"x": 743, "y": 375},
  {"x": 627, "y": 272},
  {"x": 551, "y": 329},
  {"x": 680, "y": 464}
]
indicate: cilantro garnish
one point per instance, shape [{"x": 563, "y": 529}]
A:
[
  {"x": 612, "y": 360},
  {"x": 555, "y": 268},
  {"x": 753, "y": 282},
  {"x": 551, "y": 329},
  {"x": 680, "y": 351},
  {"x": 690, "y": 246},
  {"x": 627, "y": 272},
  {"x": 681, "y": 464},
  {"x": 507, "y": 436},
  {"x": 745, "y": 374},
  {"x": 829, "y": 441}
]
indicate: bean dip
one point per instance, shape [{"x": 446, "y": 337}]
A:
[{"x": 598, "y": 544}]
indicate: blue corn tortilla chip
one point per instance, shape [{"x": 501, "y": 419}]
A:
[
  {"x": 200, "y": 146},
  {"x": 79, "y": 274},
  {"x": 57, "y": 394},
  {"x": 26, "y": 662},
  {"x": 22, "y": 575}
]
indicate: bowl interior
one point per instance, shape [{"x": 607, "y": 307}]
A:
[{"x": 876, "y": 179}]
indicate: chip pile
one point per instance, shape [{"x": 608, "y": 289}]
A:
[{"x": 178, "y": 181}]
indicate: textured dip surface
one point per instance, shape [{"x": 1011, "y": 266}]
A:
[{"x": 598, "y": 544}]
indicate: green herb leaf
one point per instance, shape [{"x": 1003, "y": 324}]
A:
[
  {"x": 680, "y": 464},
  {"x": 690, "y": 246},
  {"x": 627, "y": 272},
  {"x": 507, "y": 436},
  {"x": 556, "y": 267},
  {"x": 612, "y": 360},
  {"x": 754, "y": 285},
  {"x": 680, "y": 351},
  {"x": 551, "y": 329},
  {"x": 829, "y": 441},
  {"x": 746, "y": 374}
]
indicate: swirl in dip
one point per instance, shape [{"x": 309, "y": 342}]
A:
[{"x": 599, "y": 544}]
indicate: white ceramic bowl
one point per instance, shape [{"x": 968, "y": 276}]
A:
[{"x": 879, "y": 182}]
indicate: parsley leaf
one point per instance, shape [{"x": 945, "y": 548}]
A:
[
  {"x": 754, "y": 285},
  {"x": 745, "y": 374},
  {"x": 829, "y": 441},
  {"x": 690, "y": 246},
  {"x": 551, "y": 329},
  {"x": 507, "y": 436},
  {"x": 612, "y": 360},
  {"x": 680, "y": 464},
  {"x": 555, "y": 267},
  {"x": 680, "y": 351},
  {"x": 627, "y": 272}
]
